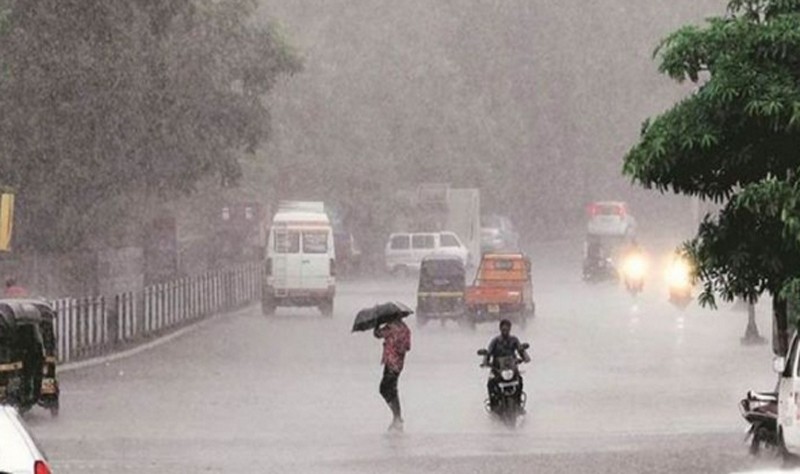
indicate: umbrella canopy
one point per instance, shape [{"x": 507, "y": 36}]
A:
[{"x": 370, "y": 318}]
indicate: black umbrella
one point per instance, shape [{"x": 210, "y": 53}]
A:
[{"x": 370, "y": 318}]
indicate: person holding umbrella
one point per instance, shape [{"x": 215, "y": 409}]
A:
[
  {"x": 396, "y": 342},
  {"x": 387, "y": 323}
]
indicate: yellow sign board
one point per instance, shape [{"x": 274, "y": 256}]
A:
[{"x": 6, "y": 220}]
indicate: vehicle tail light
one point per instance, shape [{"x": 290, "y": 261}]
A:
[
  {"x": 592, "y": 210},
  {"x": 268, "y": 267},
  {"x": 333, "y": 267},
  {"x": 40, "y": 467}
]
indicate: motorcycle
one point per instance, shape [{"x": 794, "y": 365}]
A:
[
  {"x": 508, "y": 399},
  {"x": 679, "y": 282},
  {"x": 600, "y": 269},
  {"x": 634, "y": 268},
  {"x": 760, "y": 409}
]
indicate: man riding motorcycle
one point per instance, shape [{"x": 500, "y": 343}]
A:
[
  {"x": 503, "y": 346},
  {"x": 634, "y": 268}
]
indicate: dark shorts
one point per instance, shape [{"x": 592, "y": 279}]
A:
[{"x": 388, "y": 387}]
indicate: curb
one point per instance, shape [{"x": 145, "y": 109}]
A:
[{"x": 95, "y": 361}]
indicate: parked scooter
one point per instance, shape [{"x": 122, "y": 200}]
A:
[
  {"x": 760, "y": 409},
  {"x": 508, "y": 399}
]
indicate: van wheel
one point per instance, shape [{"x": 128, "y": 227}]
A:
[
  {"x": 789, "y": 459},
  {"x": 326, "y": 308},
  {"x": 268, "y": 305}
]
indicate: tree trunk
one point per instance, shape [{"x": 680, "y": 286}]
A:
[
  {"x": 751, "y": 335},
  {"x": 780, "y": 327}
]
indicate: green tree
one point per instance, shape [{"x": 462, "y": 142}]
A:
[
  {"x": 110, "y": 104},
  {"x": 734, "y": 141}
]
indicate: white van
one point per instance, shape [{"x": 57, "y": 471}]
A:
[
  {"x": 300, "y": 259},
  {"x": 405, "y": 251},
  {"x": 788, "y": 397}
]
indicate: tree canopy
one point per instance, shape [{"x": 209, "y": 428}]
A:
[
  {"x": 104, "y": 101},
  {"x": 736, "y": 141}
]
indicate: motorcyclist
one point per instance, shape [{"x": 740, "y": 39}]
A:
[
  {"x": 502, "y": 346},
  {"x": 597, "y": 258},
  {"x": 634, "y": 266}
]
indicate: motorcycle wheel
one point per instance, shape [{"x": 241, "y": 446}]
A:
[
  {"x": 268, "y": 306},
  {"x": 326, "y": 308},
  {"x": 789, "y": 459},
  {"x": 509, "y": 412},
  {"x": 755, "y": 444}
]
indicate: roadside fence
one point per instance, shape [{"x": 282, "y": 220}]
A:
[{"x": 91, "y": 327}]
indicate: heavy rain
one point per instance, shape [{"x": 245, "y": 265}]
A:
[{"x": 358, "y": 236}]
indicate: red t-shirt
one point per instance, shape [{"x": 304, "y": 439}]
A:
[
  {"x": 15, "y": 292},
  {"x": 396, "y": 342}
]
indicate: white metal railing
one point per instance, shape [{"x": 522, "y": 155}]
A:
[{"x": 89, "y": 327}]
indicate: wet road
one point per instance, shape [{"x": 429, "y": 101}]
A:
[{"x": 617, "y": 385}]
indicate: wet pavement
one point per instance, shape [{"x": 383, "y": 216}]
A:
[{"x": 617, "y": 384}]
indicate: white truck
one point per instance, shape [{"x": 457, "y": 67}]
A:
[
  {"x": 439, "y": 209},
  {"x": 300, "y": 265}
]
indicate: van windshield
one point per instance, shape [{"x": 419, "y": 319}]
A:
[
  {"x": 315, "y": 241},
  {"x": 287, "y": 242},
  {"x": 450, "y": 240}
]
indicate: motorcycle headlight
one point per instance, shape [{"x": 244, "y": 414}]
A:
[
  {"x": 507, "y": 374},
  {"x": 635, "y": 267},
  {"x": 679, "y": 274}
]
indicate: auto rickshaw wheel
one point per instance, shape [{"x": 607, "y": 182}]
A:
[
  {"x": 54, "y": 410},
  {"x": 268, "y": 305},
  {"x": 521, "y": 318},
  {"x": 326, "y": 308},
  {"x": 467, "y": 322}
]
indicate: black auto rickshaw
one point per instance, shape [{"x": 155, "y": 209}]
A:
[
  {"x": 32, "y": 347},
  {"x": 10, "y": 361},
  {"x": 601, "y": 254},
  {"x": 49, "y": 389},
  {"x": 442, "y": 279}
]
